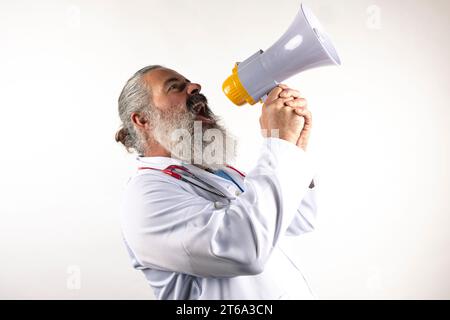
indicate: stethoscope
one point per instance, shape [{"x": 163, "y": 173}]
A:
[{"x": 183, "y": 174}]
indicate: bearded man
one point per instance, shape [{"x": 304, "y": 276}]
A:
[{"x": 197, "y": 227}]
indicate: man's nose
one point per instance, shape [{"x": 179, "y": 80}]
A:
[{"x": 193, "y": 88}]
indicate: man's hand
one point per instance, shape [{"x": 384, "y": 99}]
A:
[
  {"x": 300, "y": 106},
  {"x": 287, "y": 111}
]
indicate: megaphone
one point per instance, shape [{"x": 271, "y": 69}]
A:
[{"x": 305, "y": 45}]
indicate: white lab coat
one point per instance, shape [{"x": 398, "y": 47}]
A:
[{"x": 192, "y": 244}]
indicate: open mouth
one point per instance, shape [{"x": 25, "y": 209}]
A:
[
  {"x": 199, "y": 107},
  {"x": 201, "y": 113}
]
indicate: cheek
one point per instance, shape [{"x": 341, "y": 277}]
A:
[
  {"x": 177, "y": 104},
  {"x": 171, "y": 103}
]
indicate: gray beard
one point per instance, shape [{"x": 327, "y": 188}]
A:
[{"x": 209, "y": 146}]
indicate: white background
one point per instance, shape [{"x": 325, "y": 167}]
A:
[{"x": 380, "y": 137}]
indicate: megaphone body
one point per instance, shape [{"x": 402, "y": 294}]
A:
[{"x": 303, "y": 46}]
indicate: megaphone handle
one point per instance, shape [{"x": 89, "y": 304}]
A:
[{"x": 264, "y": 97}]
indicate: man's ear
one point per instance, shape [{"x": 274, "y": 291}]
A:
[{"x": 138, "y": 119}]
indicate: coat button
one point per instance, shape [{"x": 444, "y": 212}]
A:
[{"x": 218, "y": 205}]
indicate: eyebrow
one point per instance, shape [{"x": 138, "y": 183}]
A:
[{"x": 173, "y": 79}]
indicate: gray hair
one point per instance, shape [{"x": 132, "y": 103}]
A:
[{"x": 135, "y": 97}]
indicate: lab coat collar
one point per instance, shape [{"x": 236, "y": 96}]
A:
[
  {"x": 162, "y": 163},
  {"x": 158, "y": 162}
]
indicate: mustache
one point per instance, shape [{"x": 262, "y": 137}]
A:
[{"x": 198, "y": 104}]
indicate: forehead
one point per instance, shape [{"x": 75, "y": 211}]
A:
[{"x": 156, "y": 78}]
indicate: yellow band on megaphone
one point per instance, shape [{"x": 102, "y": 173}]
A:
[{"x": 235, "y": 91}]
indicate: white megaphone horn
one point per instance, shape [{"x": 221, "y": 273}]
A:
[{"x": 305, "y": 45}]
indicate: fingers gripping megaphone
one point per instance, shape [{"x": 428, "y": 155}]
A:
[{"x": 305, "y": 45}]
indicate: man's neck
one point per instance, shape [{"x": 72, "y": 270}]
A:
[{"x": 156, "y": 150}]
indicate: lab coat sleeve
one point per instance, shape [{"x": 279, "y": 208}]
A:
[
  {"x": 306, "y": 214},
  {"x": 171, "y": 228}
]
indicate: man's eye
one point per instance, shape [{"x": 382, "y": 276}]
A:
[{"x": 177, "y": 86}]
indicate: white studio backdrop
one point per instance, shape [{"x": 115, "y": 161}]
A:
[{"x": 380, "y": 137}]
